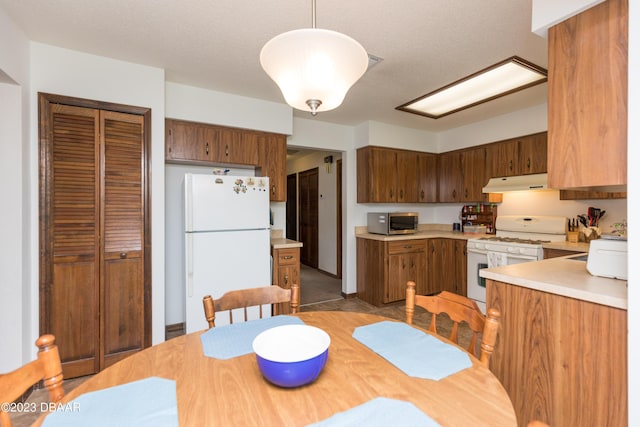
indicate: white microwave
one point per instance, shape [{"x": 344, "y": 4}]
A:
[{"x": 390, "y": 223}]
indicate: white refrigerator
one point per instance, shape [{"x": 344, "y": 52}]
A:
[{"x": 227, "y": 240}]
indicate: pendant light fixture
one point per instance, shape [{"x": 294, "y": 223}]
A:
[{"x": 314, "y": 68}]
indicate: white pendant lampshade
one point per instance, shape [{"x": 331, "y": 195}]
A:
[{"x": 314, "y": 68}]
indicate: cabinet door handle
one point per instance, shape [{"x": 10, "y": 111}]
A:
[
  {"x": 390, "y": 194},
  {"x": 286, "y": 279},
  {"x": 273, "y": 189},
  {"x": 408, "y": 246},
  {"x": 453, "y": 193},
  {"x": 206, "y": 149},
  {"x": 401, "y": 194},
  {"x": 466, "y": 193},
  {"x": 226, "y": 150},
  {"x": 422, "y": 195},
  {"x": 529, "y": 163},
  {"x": 287, "y": 257},
  {"x": 510, "y": 165},
  {"x": 123, "y": 255}
]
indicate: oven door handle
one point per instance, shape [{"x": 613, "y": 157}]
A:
[
  {"x": 477, "y": 251},
  {"x": 510, "y": 255}
]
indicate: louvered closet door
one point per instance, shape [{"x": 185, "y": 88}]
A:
[
  {"x": 122, "y": 287},
  {"x": 70, "y": 303},
  {"x": 93, "y": 225}
]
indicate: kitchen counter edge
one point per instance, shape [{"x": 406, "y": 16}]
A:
[
  {"x": 420, "y": 235},
  {"x": 282, "y": 243},
  {"x": 562, "y": 276}
]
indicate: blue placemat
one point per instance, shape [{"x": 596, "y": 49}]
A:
[
  {"x": 380, "y": 412},
  {"x": 416, "y": 353},
  {"x": 150, "y": 402},
  {"x": 225, "y": 342}
]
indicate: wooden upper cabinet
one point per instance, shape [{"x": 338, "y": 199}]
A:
[
  {"x": 588, "y": 99},
  {"x": 272, "y": 162},
  {"x": 234, "y": 146},
  {"x": 186, "y": 141},
  {"x": 474, "y": 174},
  {"x": 204, "y": 144},
  {"x": 376, "y": 174},
  {"x": 450, "y": 184},
  {"x": 517, "y": 156},
  {"x": 406, "y": 170},
  {"x": 198, "y": 142},
  {"x": 502, "y": 158},
  {"x": 427, "y": 177},
  {"x": 532, "y": 154},
  {"x": 387, "y": 175}
]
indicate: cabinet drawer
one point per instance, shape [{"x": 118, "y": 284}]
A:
[
  {"x": 407, "y": 246},
  {"x": 287, "y": 256}
]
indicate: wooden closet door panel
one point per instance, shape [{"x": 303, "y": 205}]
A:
[
  {"x": 75, "y": 324},
  {"x": 122, "y": 290},
  {"x": 71, "y": 257}
]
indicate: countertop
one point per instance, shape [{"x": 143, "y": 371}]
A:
[
  {"x": 278, "y": 241},
  {"x": 425, "y": 231},
  {"x": 430, "y": 231},
  {"x": 282, "y": 243},
  {"x": 562, "y": 276}
]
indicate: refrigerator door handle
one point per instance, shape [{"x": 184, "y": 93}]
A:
[
  {"x": 189, "y": 254},
  {"x": 188, "y": 201}
]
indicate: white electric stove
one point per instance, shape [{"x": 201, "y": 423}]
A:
[{"x": 519, "y": 238}]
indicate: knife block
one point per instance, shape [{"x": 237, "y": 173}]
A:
[{"x": 573, "y": 236}]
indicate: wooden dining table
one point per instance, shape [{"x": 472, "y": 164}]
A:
[{"x": 214, "y": 392}]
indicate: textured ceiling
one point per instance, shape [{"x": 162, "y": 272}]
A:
[{"x": 215, "y": 44}]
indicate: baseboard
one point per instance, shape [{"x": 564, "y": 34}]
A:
[{"x": 176, "y": 328}]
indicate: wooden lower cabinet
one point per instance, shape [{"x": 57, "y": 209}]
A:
[
  {"x": 555, "y": 253},
  {"x": 561, "y": 360},
  {"x": 383, "y": 269},
  {"x": 447, "y": 266},
  {"x": 286, "y": 271}
]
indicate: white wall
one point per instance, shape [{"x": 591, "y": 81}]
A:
[
  {"x": 547, "y": 13},
  {"x": 15, "y": 304},
  {"x": 71, "y": 73},
  {"x": 11, "y": 227},
  {"x": 522, "y": 122},
  {"x": 207, "y": 106},
  {"x": 548, "y": 203}
]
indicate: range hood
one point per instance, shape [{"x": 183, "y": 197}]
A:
[{"x": 516, "y": 183}]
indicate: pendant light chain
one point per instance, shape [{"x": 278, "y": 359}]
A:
[{"x": 313, "y": 13}]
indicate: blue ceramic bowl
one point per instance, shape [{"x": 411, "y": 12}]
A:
[{"x": 292, "y": 355}]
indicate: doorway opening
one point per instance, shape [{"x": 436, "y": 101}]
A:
[{"x": 314, "y": 218}]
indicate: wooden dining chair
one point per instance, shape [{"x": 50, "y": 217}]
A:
[
  {"x": 46, "y": 367},
  {"x": 459, "y": 309},
  {"x": 244, "y": 298}
]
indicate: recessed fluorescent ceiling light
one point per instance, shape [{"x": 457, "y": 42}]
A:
[{"x": 503, "y": 78}]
